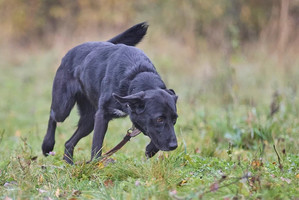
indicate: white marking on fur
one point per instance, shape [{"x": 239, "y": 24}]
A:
[{"x": 119, "y": 113}]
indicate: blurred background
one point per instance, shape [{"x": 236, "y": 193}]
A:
[
  {"x": 225, "y": 26},
  {"x": 233, "y": 63}
]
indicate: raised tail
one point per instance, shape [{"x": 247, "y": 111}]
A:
[{"x": 132, "y": 36}]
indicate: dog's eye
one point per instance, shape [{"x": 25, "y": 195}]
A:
[{"x": 160, "y": 120}]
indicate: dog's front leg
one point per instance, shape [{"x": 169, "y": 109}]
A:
[
  {"x": 100, "y": 128},
  {"x": 151, "y": 150}
]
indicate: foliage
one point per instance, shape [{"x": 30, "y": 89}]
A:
[{"x": 221, "y": 23}]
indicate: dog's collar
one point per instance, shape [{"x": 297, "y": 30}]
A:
[{"x": 135, "y": 124}]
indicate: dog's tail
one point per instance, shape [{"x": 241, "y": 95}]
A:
[{"x": 132, "y": 36}]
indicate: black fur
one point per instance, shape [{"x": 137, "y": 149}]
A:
[
  {"x": 109, "y": 80},
  {"x": 132, "y": 36}
]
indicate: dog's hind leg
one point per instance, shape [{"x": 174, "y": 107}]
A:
[
  {"x": 63, "y": 100},
  {"x": 85, "y": 127},
  {"x": 49, "y": 139}
]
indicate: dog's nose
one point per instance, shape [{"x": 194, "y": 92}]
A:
[{"x": 173, "y": 145}]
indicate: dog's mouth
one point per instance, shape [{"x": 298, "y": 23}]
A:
[
  {"x": 158, "y": 144},
  {"x": 161, "y": 145}
]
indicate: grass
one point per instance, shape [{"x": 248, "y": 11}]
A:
[{"x": 225, "y": 129}]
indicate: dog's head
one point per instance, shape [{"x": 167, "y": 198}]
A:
[{"x": 154, "y": 113}]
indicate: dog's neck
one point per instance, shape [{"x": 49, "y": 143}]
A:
[{"x": 145, "y": 81}]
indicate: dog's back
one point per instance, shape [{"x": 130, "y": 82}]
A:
[
  {"x": 76, "y": 55},
  {"x": 130, "y": 37}
]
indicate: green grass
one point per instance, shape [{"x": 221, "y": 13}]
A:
[{"x": 225, "y": 131}]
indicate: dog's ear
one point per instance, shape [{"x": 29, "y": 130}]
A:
[
  {"x": 175, "y": 98},
  {"x": 135, "y": 102},
  {"x": 172, "y": 92}
]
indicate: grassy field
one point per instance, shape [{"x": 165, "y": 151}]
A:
[{"x": 238, "y": 133}]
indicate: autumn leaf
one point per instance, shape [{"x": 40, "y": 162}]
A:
[
  {"x": 183, "y": 182},
  {"x": 40, "y": 179},
  {"x": 108, "y": 183},
  {"x": 101, "y": 165},
  {"x": 256, "y": 164}
]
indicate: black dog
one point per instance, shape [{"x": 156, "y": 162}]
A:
[{"x": 109, "y": 80}]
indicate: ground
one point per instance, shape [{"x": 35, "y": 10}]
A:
[{"x": 237, "y": 131}]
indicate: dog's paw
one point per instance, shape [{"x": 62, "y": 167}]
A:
[
  {"x": 47, "y": 147},
  {"x": 150, "y": 154},
  {"x": 150, "y": 150},
  {"x": 67, "y": 159}
]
